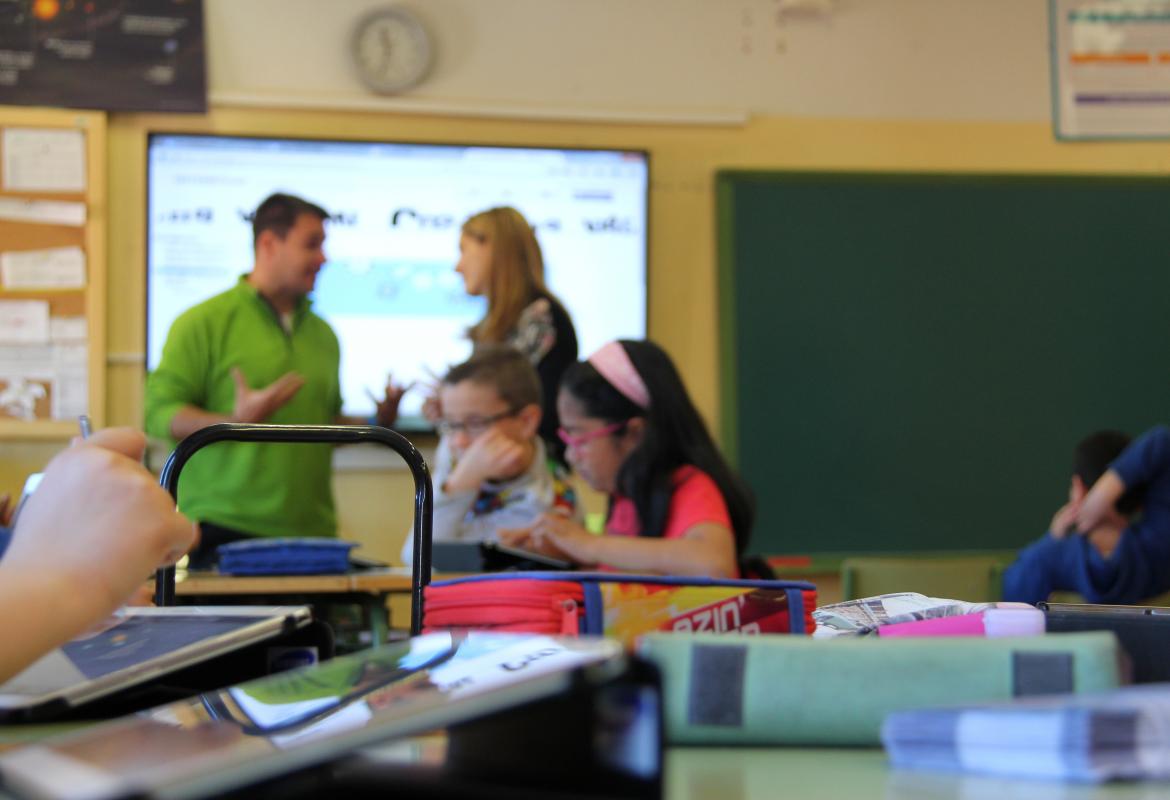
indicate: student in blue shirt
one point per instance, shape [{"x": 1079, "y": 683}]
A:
[{"x": 1098, "y": 546}]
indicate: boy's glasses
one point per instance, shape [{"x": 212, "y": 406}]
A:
[
  {"x": 473, "y": 426},
  {"x": 579, "y": 439}
]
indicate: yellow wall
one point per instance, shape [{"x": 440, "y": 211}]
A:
[{"x": 684, "y": 160}]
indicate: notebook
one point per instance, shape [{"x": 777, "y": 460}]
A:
[
  {"x": 234, "y": 737},
  {"x": 1119, "y": 735},
  {"x": 137, "y": 645}
]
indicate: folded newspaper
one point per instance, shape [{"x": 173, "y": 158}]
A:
[
  {"x": 1123, "y": 734},
  {"x": 863, "y": 617}
]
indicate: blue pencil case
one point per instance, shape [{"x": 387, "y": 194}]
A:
[{"x": 284, "y": 556}]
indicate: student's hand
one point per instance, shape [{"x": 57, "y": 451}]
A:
[
  {"x": 1105, "y": 540},
  {"x": 257, "y": 405},
  {"x": 558, "y": 536},
  {"x": 1064, "y": 520},
  {"x": 522, "y": 538},
  {"x": 98, "y": 525},
  {"x": 1100, "y": 501},
  {"x": 492, "y": 456},
  {"x": 386, "y": 409}
]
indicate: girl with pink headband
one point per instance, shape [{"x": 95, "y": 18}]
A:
[{"x": 676, "y": 506}]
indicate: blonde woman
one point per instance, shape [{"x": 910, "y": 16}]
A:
[{"x": 500, "y": 259}]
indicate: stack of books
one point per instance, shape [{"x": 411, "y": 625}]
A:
[{"x": 1122, "y": 734}]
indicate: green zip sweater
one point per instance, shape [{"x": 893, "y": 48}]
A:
[{"x": 262, "y": 489}]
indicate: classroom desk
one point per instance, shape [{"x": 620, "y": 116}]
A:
[
  {"x": 759, "y": 773},
  {"x": 366, "y": 589},
  {"x": 812, "y": 773},
  {"x": 765, "y": 773}
]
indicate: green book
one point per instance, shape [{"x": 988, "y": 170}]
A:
[{"x": 766, "y": 690}]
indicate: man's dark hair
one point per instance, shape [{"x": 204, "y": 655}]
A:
[
  {"x": 505, "y": 369},
  {"x": 278, "y": 213},
  {"x": 1092, "y": 458}
]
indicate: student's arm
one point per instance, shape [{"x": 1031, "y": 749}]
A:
[
  {"x": 94, "y": 530},
  {"x": 450, "y": 509},
  {"x": 704, "y": 549},
  {"x": 1146, "y": 463}
]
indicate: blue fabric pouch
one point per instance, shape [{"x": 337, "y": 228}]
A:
[{"x": 308, "y": 556}]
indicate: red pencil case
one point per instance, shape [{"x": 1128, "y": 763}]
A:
[{"x": 617, "y": 605}]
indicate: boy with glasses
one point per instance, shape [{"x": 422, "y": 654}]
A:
[{"x": 491, "y": 468}]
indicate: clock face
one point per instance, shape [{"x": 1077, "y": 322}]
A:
[{"x": 391, "y": 50}]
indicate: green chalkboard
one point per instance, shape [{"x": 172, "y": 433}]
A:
[{"x": 908, "y": 360}]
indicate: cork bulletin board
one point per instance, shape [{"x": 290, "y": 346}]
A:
[{"x": 52, "y": 271}]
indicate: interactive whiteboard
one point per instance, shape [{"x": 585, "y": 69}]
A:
[{"x": 390, "y": 290}]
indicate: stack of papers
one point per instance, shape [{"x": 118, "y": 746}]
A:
[{"x": 1123, "y": 734}]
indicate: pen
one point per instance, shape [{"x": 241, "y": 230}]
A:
[{"x": 83, "y": 423}]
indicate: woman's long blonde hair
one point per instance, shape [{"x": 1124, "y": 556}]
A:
[{"x": 516, "y": 274}]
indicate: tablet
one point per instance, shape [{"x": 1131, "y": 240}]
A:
[
  {"x": 1143, "y": 631},
  {"x": 235, "y": 737},
  {"x": 499, "y": 556},
  {"x": 490, "y": 557},
  {"x": 136, "y": 645}
]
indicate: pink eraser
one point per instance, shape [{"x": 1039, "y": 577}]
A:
[{"x": 962, "y": 625}]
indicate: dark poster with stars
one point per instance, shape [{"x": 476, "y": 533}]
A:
[{"x": 114, "y": 55}]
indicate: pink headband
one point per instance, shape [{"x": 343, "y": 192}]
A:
[{"x": 613, "y": 362}]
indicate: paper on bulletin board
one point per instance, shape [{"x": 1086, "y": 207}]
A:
[
  {"x": 55, "y": 268},
  {"x": 70, "y": 390},
  {"x": 26, "y": 380},
  {"x": 47, "y": 212},
  {"x": 68, "y": 329},
  {"x": 44, "y": 160},
  {"x": 24, "y": 322},
  {"x": 1111, "y": 68},
  {"x": 44, "y": 381}
]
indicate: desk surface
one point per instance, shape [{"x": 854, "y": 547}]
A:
[
  {"x": 765, "y": 773},
  {"x": 374, "y": 581},
  {"x": 707, "y": 773}
]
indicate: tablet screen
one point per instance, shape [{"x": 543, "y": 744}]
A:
[
  {"x": 125, "y": 644},
  {"x": 136, "y": 644},
  {"x": 236, "y": 736},
  {"x": 502, "y": 556}
]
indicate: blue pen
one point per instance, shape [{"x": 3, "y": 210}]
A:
[{"x": 83, "y": 423}]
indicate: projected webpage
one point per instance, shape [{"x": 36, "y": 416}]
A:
[{"x": 390, "y": 289}]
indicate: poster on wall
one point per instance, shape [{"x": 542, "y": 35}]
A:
[
  {"x": 1110, "y": 68},
  {"x": 114, "y": 55}
]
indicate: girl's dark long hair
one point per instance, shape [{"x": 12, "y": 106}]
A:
[{"x": 674, "y": 436}]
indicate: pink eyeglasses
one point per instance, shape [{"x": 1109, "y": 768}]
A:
[{"x": 578, "y": 439}]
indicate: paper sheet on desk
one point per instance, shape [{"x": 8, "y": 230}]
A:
[
  {"x": 44, "y": 160},
  {"x": 56, "y": 268}
]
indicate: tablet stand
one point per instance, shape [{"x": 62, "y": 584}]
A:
[{"x": 164, "y": 592}]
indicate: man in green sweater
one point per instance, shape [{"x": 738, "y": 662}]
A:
[{"x": 257, "y": 353}]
